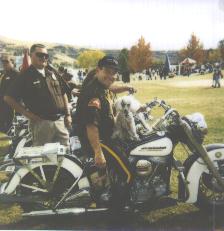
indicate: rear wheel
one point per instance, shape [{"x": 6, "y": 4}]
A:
[{"x": 45, "y": 196}]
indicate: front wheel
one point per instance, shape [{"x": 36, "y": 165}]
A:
[{"x": 210, "y": 194}]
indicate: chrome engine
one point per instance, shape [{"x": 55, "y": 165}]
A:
[
  {"x": 151, "y": 178},
  {"x": 143, "y": 168}
]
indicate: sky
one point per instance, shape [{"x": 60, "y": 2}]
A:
[{"x": 114, "y": 24}]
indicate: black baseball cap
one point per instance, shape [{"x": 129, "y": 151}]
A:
[{"x": 108, "y": 61}]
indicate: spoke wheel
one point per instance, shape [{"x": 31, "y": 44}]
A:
[
  {"x": 56, "y": 186},
  {"x": 210, "y": 193}
]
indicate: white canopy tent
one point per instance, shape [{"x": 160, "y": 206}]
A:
[{"x": 188, "y": 61}]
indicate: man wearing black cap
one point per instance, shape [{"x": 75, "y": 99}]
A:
[
  {"x": 95, "y": 122},
  {"x": 113, "y": 88},
  {"x": 6, "y": 79}
]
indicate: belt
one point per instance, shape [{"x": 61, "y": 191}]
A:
[{"x": 52, "y": 117}]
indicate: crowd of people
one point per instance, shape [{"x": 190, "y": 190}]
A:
[{"x": 157, "y": 73}]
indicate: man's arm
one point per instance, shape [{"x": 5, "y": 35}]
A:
[
  {"x": 93, "y": 136},
  {"x": 68, "y": 118},
  {"x": 119, "y": 89},
  {"x": 21, "y": 109},
  {"x": 14, "y": 93},
  {"x": 73, "y": 85}
]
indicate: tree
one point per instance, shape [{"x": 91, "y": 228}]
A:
[
  {"x": 123, "y": 60},
  {"x": 90, "y": 58},
  {"x": 140, "y": 56},
  {"x": 157, "y": 62},
  {"x": 123, "y": 65},
  {"x": 221, "y": 48},
  {"x": 194, "y": 50},
  {"x": 213, "y": 55}
]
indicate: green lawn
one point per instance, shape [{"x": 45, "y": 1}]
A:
[{"x": 187, "y": 95}]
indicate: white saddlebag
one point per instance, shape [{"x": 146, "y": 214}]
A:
[{"x": 46, "y": 153}]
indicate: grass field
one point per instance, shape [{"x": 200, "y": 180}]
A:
[{"x": 187, "y": 95}]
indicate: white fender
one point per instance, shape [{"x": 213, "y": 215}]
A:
[
  {"x": 196, "y": 170},
  {"x": 67, "y": 164}
]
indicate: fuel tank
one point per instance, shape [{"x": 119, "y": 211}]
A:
[{"x": 162, "y": 146}]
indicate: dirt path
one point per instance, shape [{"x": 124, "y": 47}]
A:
[{"x": 193, "y": 83}]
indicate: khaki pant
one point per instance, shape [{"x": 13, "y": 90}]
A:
[{"x": 47, "y": 131}]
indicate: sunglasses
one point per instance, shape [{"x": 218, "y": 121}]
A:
[{"x": 42, "y": 55}]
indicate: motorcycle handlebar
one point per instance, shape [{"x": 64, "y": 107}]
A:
[
  {"x": 174, "y": 113},
  {"x": 168, "y": 111},
  {"x": 158, "y": 102}
]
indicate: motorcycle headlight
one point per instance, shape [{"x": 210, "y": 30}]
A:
[
  {"x": 198, "y": 125},
  {"x": 199, "y": 120},
  {"x": 5, "y": 144}
]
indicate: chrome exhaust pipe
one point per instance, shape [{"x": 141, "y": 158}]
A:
[{"x": 73, "y": 211}]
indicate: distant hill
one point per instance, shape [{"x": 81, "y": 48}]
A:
[
  {"x": 59, "y": 53},
  {"x": 67, "y": 54}
]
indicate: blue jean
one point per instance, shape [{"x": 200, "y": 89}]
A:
[{"x": 217, "y": 82}]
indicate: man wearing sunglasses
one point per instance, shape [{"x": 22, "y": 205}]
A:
[
  {"x": 8, "y": 75},
  {"x": 45, "y": 100}
]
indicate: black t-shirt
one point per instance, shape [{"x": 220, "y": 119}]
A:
[
  {"x": 94, "y": 107},
  {"x": 6, "y": 79},
  {"x": 31, "y": 87},
  {"x": 90, "y": 76}
]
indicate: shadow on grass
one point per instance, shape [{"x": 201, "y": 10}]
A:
[
  {"x": 196, "y": 220},
  {"x": 191, "y": 221},
  {"x": 84, "y": 222},
  {"x": 187, "y": 220}
]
